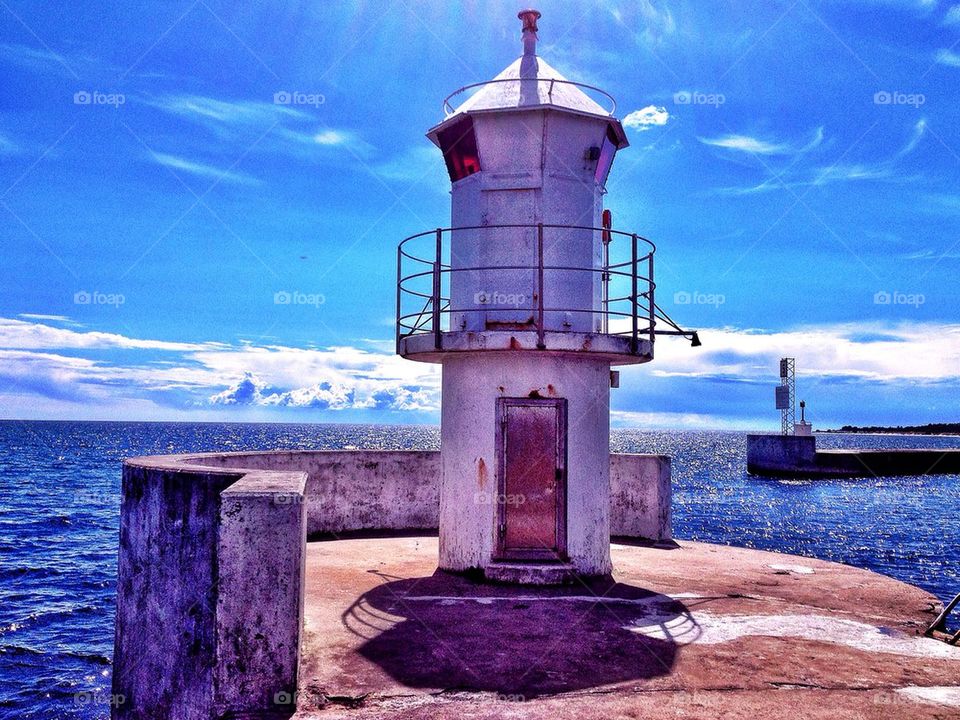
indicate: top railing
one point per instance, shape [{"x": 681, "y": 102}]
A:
[
  {"x": 521, "y": 83},
  {"x": 625, "y": 305}
]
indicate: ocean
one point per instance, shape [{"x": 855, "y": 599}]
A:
[{"x": 60, "y": 494}]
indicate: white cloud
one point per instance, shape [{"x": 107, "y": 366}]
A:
[
  {"x": 647, "y": 117},
  {"x": 758, "y": 146},
  {"x": 745, "y": 143},
  {"x": 216, "y": 113},
  {"x": 880, "y": 352},
  {"x": 21, "y": 335},
  {"x": 203, "y": 170},
  {"x": 243, "y": 121},
  {"x": 795, "y": 177},
  {"x": 55, "y": 365},
  {"x": 948, "y": 57},
  {"x": 952, "y": 16}
]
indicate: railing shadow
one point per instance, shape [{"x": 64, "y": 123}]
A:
[{"x": 446, "y": 631}]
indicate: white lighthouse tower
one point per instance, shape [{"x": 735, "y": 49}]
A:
[{"x": 527, "y": 300}]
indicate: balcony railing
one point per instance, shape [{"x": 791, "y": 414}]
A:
[{"x": 618, "y": 300}]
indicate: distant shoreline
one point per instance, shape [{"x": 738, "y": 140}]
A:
[{"x": 930, "y": 429}]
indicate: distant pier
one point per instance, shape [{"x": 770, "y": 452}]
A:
[{"x": 797, "y": 456}]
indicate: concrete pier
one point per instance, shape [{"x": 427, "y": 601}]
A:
[
  {"x": 797, "y": 456},
  {"x": 211, "y": 568},
  {"x": 683, "y": 631},
  {"x": 225, "y": 610}
]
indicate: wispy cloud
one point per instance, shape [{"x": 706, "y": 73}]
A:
[
  {"x": 952, "y": 16},
  {"x": 799, "y": 175},
  {"x": 647, "y": 117},
  {"x": 25, "y": 335},
  {"x": 292, "y": 129},
  {"x": 202, "y": 170},
  {"x": 760, "y": 146},
  {"x": 38, "y": 60},
  {"x": 8, "y": 146},
  {"x": 947, "y": 57}
]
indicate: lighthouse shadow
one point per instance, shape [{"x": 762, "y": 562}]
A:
[{"x": 447, "y": 632}]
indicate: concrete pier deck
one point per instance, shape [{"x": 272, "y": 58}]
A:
[{"x": 696, "y": 631}]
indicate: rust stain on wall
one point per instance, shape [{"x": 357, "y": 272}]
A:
[{"x": 482, "y": 475}]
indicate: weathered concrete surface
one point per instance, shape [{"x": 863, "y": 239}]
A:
[
  {"x": 166, "y": 628},
  {"x": 640, "y": 496},
  {"x": 209, "y": 592},
  {"x": 261, "y": 556},
  {"x": 354, "y": 489},
  {"x": 797, "y": 456},
  {"x": 211, "y": 557},
  {"x": 469, "y": 484},
  {"x": 700, "y": 631},
  {"x": 400, "y": 489}
]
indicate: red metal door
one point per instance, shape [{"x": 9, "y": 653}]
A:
[{"x": 531, "y": 478}]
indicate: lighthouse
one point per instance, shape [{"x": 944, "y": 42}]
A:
[{"x": 527, "y": 299}]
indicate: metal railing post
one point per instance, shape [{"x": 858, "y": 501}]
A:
[
  {"x": 437, "y": 340},
  {"x": 540, "y": 333},
  {"x": 634, "y": 345},
  {"x": 653, "y": 305},
  {"x": 399, "y": 310}
]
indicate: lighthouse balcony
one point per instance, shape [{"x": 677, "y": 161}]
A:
[{"x": 527, "y": 287}]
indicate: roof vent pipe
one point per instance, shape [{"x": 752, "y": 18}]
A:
[{"x": 529, "y": 18}]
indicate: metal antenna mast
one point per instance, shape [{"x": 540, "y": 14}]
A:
[{"x": 787, "y": 395}]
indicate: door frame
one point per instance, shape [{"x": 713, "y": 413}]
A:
[{"x": 502, "y": 552}]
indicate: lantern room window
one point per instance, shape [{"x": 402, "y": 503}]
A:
[
  {"x": 459, "y": 145},
  {"x": 607, "y": 151}
]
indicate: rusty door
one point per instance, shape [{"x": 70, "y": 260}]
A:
[{"x": 531, "y": 477}]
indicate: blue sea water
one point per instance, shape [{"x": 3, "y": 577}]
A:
[{"x": 60, "y": 493}]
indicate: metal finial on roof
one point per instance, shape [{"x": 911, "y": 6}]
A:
[{"x": 529, "y": 17}]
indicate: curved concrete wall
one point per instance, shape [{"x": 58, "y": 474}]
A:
[{"x": 211, "y": 567}]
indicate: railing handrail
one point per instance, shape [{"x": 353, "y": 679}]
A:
[
  {"x": 436, "y": 304},
  {"x": 449, "y": 110}
]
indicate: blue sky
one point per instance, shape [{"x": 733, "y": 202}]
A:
[{"x": 797, "y": 164}]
